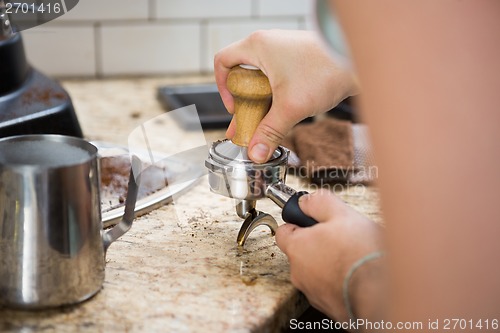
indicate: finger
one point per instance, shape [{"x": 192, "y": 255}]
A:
[
  {"x": 269, "y": 134},
  {"x": 221, "y": 73},
  {"x": 321, "y": 205},
  {"x": 231, "y": 129},
  {"x": 230, "y": 56},
  {"x": 283, "y": 236}
]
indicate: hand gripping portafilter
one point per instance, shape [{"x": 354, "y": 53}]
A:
[{"x": 234, "y": 175}]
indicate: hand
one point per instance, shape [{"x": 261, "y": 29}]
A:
[
  {"x": 320, "y": 256},
  {"x": 304, "y": 79}
]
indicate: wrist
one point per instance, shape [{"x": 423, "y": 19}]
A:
[{"x": 365, "y": 289}]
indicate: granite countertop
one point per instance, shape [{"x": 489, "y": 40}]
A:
[{"x": 178, "y": 269}]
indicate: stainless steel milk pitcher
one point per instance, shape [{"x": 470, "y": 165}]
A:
[{"x": 52, "y": 246}]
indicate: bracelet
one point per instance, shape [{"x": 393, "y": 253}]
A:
[{"x": 347, "y": 279}]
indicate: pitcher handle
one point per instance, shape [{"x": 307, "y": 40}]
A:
[{"x": 125, "y": 224}]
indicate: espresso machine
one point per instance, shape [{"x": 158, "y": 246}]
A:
[
  {"x": 232, "y": 174},
  {"x": 30, "y": 102}
]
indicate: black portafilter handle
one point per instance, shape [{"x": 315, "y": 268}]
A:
[
  {"x": 288, "y": 199},
  {"x": 292, "y": 213}
]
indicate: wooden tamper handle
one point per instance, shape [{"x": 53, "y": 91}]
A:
[{"x": 252, "y": 99}]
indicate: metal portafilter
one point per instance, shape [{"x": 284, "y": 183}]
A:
[{"x": 234, "y": 175}]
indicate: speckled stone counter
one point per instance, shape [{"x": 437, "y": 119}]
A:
[{"x": 178, "y": 269}]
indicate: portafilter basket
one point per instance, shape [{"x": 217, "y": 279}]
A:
[{"x": 233, "y": 174}]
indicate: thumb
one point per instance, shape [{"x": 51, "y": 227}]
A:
[
  {"x": 269, "y": 134},
  {"x": 321, "y": 205},
  {"x": 283, "y": 236}
]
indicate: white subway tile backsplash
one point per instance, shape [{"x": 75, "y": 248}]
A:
[
  {"x": 284, "y": 7},
  {"x": 150, "y": 49},
  {"x": 202, "y": 9},
  {"x": 141, "y": 37},
  {"x": 99, "y": 10},
  {"x": 61, "y": 51},
  {"x": 221, "y": 34}
]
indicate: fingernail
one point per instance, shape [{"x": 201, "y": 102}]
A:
[
  {"x": 304, "y": 197},
  {"x": 259, "y": 152}
]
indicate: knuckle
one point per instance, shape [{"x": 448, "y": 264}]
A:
[
  {"x": 257, "y": 36},
  {"x": 299, "y": 107},
  {"x": 271, "y": 134},
  {"x": 219, "y": 60},
  {"x": 217, "y": 57}
]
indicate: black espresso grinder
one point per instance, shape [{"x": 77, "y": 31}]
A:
[{"x": 30, "y": 103}]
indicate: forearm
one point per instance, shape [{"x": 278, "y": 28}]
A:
[{"x": 430, "y": 76}]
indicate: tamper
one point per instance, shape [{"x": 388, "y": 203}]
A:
[{"x": 234, "y": 175}]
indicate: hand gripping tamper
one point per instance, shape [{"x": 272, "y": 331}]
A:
[{"x": 234, "y": 175}]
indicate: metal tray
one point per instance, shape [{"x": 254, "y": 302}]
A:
[{"x": 157, "y": 199}]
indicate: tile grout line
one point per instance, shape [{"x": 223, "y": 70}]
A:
[
  {"x": 152, "y": 11},
  {"x": 301, "y": 23},
  {"x": 255, "y": 9},
  {"x": 203, "y": 45},
  {"x": 98, "y": 50}
]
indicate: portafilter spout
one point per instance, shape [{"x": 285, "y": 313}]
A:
[{"x": 245, "y": 206}]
